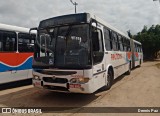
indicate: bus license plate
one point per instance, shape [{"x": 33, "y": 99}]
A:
[
  {"x": 37, "y": 83},
  {"x": 74, "y": 86}
]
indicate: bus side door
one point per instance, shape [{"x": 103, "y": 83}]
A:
[{"x": 98, "y": 57}]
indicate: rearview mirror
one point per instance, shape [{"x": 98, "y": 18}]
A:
[
  {"x": 94, "y": 23},
  {"x": 31, "y": 29}
]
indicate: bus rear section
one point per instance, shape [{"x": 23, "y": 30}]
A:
[
  {"x": 137, "y": 53},
  {"x": 16, "y": 53}
]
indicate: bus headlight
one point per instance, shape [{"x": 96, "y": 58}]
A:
[
  {"x": 35, "y": 77},
  {"x": 79, "y": 80}
]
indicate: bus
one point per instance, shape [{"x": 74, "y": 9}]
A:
[
  {"x": 16, "y": 53},
  {"x": 80, "y": 53},
  {"x": 137, "y": 52}
]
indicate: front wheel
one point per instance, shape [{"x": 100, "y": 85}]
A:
[{"x": 109, "y": 80}]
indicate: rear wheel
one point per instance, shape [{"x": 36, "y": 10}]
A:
[
  {"x": 140, "y": 63},
  {"x": 129, "y": 69}
]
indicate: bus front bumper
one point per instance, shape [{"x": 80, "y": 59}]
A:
[{"x": 65, "y": 87}]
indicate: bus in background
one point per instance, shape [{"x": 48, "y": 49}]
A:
[
  {"x": 137, "y": 53},
  {"x": 16, "y": 53},
  {"x": 79, "y": 53}
]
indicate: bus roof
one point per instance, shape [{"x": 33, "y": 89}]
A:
[
  {"x": 14, "y": 28},
  {"x": 75, "y": 18},
  {"x": 137, "y": 42},
  {"x": 108, "y": 25}
]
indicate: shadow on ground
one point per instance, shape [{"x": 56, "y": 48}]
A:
[
  {"x": 32, "y": 97},
  {"x": 15, "y": 84}
]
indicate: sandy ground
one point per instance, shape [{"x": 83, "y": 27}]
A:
[{"x": 140, "y": 89}]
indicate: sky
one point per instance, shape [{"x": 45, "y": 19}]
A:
[{"x": 123, "y": 14}]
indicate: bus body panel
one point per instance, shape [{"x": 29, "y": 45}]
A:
[
  {"x": 15, "y": 66},
  {"x": 137, "y": 53},
  {"x": 70, "y": 87}
]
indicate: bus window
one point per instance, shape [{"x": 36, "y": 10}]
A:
[
  {"x": 26, "y": 42},
  {"x": 108, "y": 42},
  {"x": 135, "y": 47},
  {"x": 115, "y": 41},
  {"x": 97, "y": 46},
  {"x": 7, "y": 41},
  {"x": 120, "y": 43},
  {"x": 125, "y": 43},
  {"x": 141, "y": 48},
  {"x": 128, "y": 45}
]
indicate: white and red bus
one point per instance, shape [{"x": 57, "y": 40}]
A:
[
  {"x": 80, "y": 53},
  {"x": 137, "y": 53},
  {"x": 16, "y": 53}
]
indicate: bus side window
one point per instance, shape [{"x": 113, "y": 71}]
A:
[
  {"x": 115, "y": 41},
  {"x": 7, "y": 41},
  {"x": 108, "y": 42},
  {"x": 26, "y": 42},
  {"x": 141, "y": 48},
  {"x": 128, "y": 45},
  {"x": 120, "y": 43},
  {"x": 125, "y": 43},
  {"x": 97, "y": 45},
  {"x": 135, "y": 47}
]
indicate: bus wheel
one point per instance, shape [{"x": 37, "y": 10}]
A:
[
  {"x": 140, "y": 63},
  {"x": 109, "y": 81},
  {"x": 129, "y": 69}
]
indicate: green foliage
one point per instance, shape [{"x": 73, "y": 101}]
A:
[{"x": 150, "y": 39}]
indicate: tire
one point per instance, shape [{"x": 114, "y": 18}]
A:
[
  {"x": 140, "y": 63},
  {"x": 109, "y": 81},
  {"x": 129, "y": 69}
]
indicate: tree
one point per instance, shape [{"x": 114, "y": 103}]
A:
[{"x": 150, "y": 39}]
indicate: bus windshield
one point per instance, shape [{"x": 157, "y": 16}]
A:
[{"x": 63, "y": 47}]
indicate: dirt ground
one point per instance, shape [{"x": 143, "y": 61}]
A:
[{"x": 140, "y": 89}]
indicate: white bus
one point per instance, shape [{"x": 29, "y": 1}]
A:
[
  {"x": 16, "y": 53},
  {"x": 137, "y": 53},
  {"x": 79, "y": 53}
]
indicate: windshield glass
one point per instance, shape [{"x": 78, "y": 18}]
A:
[{"x": 63, "y": 47}]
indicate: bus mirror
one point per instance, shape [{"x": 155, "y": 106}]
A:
[
  {"x": 31, "y": 29},
  {"x": 94, "y": 23}
]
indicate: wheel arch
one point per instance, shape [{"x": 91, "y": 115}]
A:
[{"x": 110, "y": 67}]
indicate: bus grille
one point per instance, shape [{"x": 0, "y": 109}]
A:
[
  {"x": 56, "y": 72},
  {"x": 55, "y": 80},
  {"x": 56, "y": 88}
]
